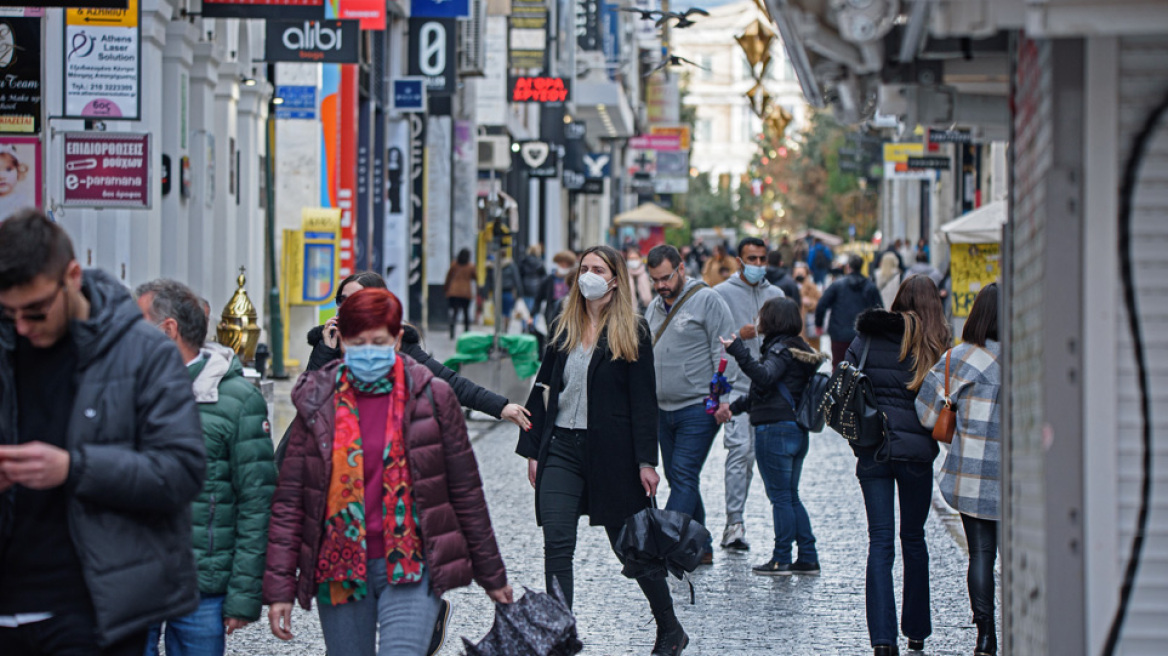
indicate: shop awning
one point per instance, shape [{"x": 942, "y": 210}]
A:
[
  {"x": 981, "y": 226},
  {"x": 649, "y": 214},
  {"x": 604, "y": 108}
]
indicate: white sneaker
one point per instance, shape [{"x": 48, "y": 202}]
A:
[{"x": 734, "y": 537}]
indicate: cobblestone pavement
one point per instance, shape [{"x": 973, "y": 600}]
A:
[{"x": 737, "y": 613}]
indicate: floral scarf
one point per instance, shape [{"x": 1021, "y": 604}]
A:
[{"x": 341, "y": 566}]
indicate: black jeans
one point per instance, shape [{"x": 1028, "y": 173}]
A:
[
  {"x": 982, "y": 537},
  {"x": 562, "y": 485},
  {"x": 459, "y": 305},
  {"x": 70, "y": 633}
]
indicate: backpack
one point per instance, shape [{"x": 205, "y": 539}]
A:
[
  {"x": 809, "y": 415},
  {"x": 820, "y": 260},
  {"x": 849, "y": 405}
]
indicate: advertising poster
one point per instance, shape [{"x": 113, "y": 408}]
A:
[
  {"x": 102, "y": 63},
  {"x": 20, "y": 174},
  {"x": 972, "y": 267},
  {"x": 20, "y": 75},
  {"x": 529, "y": 20},
  {"x": 273, "y": 9},
  {"x": 396, "y": 247},
  {"x": 106, "y": 169}
]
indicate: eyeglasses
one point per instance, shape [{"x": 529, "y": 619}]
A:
[
  {"x": 34, "y": 312},
  {"x": 665, "y": 280}
]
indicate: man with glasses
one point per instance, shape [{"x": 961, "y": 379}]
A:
[
  {"x": 101, "y": 454},
  {"x": 685, "y": 320},
  {"x": 744, "y": 293}
]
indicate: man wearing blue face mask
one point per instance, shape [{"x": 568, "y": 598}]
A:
[{"x": 744, "y": 293}]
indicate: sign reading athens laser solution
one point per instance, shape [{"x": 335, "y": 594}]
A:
[
  {"x": 107, "y": 169},
  {"x": 102, "y": 63}
]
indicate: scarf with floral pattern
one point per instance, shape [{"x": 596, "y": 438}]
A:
[{"x": 341, "y": 568}]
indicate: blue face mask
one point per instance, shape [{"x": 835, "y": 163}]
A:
[
  {"x": 753, "y": 273},
  {"x": 370, "y": 362}
]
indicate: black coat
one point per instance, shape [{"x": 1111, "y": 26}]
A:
[
  {"x": 469, "y": 394},
  {"x": 781, "y": 277},
  {"x": 136, "y": 462},
  {"x": 786, "y": 359},
  {"x": 847, "y": 298},
  {"x": 907, "y": 439},
  {"x": 622, "y": 427}
]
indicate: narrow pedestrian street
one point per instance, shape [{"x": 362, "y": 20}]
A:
[{"x": 736, "y": 612}]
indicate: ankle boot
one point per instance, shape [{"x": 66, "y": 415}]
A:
[
  {"x": 886, "y": 650},
  {"x": 987, "y": 639},
  {"x": 671, "y": 638}
]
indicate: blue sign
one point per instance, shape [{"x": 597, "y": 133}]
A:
[
  {"x": 299, "y": 102},
  {"x": 610, "y": 21},
  {"x": 409, "y": 95},
  {"x": 439, "y": 8},
  {"x": 597, "y": 165}
]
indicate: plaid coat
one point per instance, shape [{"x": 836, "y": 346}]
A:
[{"x": 971, "y": 476}]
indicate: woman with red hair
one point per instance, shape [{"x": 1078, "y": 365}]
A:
[{"x": 379, "y": 507}]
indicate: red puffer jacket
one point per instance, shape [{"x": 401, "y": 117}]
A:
[{"x": 457, "y": 537}]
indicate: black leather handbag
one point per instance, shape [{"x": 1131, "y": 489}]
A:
[{"x": 849, "y": 405}]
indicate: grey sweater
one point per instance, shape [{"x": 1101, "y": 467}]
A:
[
  {"x": 744, "y": 301},
  {"x": 686, "y": 356}
]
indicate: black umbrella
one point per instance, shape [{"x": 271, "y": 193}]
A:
[
  {"x": 539, "y": 624},
  {"x": 655, "y": 542}
]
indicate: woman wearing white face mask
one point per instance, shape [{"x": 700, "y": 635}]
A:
[
  {"x": 592, "y": 449},
  {"x": 638, "y": 279},
  {"x": 379, "y": 507}
]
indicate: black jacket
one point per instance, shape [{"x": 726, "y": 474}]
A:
[
  {"x": 532, "y": 272},
  {"x": 907, "y": 439},
  {"x": 136, "y": 461},
  {"x": 622, "y": 427},
  {"x": 781, "y": 277},
  {"x": 469, "y": 394},
  {"x": 786, "y": 359},
  {"x": 846, "y": 298}
]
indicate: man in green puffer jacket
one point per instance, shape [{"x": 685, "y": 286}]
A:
[{"x": 230, "y": 516}]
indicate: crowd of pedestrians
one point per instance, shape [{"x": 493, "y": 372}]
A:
[{"x": 142, "y": 503}]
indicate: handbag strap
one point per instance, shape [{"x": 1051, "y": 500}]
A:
[
  {"x": 948, "y": 357},
  {"x": 864, "y": 354},
  {"x": 673, "y": 311}
]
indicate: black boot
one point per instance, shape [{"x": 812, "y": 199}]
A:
[
  {"x": 886, "y": 650},
  {"x": 987, "y": 639},
  {"x": 671, "y": 638}
]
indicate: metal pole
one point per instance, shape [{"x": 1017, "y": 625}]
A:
[{"x": 275, "y": 311}]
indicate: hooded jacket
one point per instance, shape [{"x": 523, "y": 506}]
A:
[
  {"x": 908, "y": 439},
  {"x": 230, "y": 516},
  {"x": 136, "y": 460},
  {"x": 744, "y": 301},
  {"x": 686, "y": 356},
  {"x": 457, "y": 538},
  {"x": 846, "y": 298},
  {"x": 786, "y": 360}
]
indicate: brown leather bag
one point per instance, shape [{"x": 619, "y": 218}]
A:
[{"x": 947, "y": 419}]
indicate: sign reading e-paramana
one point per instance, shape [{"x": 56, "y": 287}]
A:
[
  {"x": 102, "y": 63},
  {"x": 106, "y": 169}
]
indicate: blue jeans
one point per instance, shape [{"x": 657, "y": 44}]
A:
[
  {"x": 780, "y": 449},
  {"x": 403, "y": 615},
  {"x": 685, "y": 437},
  {"x": 882, "y": 483},
  {"x": 200, "y": 633}
]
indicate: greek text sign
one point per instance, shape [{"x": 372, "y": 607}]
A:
[
  {"x": 331, "y": 41},
  {"x": 106, "y": 169},
  {"x": 542, "y": 90},
  {"x": 102, "y": 63}
]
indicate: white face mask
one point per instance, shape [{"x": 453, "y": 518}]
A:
[
  {"x": 592, "y": 286},
  {"x": 563, "y": 272}
]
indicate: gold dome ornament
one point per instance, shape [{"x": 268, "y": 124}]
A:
[{"x": 238, "y": 328}]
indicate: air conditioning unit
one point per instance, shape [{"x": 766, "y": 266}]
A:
[
  {"x": 472, "y": 49},
  {"x": 494, "y": 153}
]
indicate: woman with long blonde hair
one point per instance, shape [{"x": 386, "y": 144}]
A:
[
  {"x": 592, "y": 445},
  {"x": 898, "y": 348},
  {"x": 888, "y": 278}
]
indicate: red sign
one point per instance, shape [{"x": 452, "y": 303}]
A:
[
  {"x": 110, "y": 169},
  {"x": 544, "y": 90},
  {"x": 656, "y": 142},
  {"x": 371, "y": 13},
  {"x": 275, "y": 9}
]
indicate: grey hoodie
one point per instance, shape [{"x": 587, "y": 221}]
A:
[
  {"x": 744, "y": 301},
  {"x": 686, "y": 356}
]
